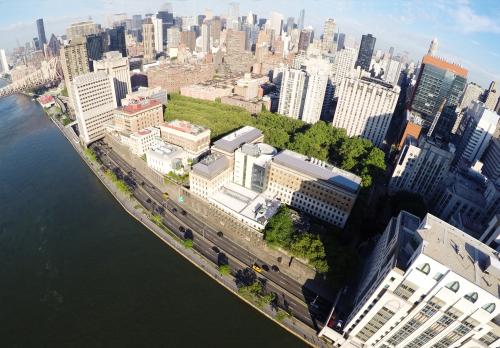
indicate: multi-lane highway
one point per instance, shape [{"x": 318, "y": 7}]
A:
[{"x": 304, "y": 304}]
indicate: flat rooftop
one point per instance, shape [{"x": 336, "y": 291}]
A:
[
  {"x": 211, "y": 166},
  {"x": 166, "y": 151},
  {"x": 138, "y": 105},
  {"x": 234, "y": 140},
  {"x": 445, "y": 65},
  {"x": 185, "y": 127},
  {"x": 318, "y": 170},
  {"x": 461, "y": 253}
]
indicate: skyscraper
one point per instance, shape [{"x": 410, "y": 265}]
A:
[
  {"x": 82, "y": 29},
  {"x": 317, "y": 79},
  {"x": 117, "y": 67},
  {"x": 94, "y": 100},
  {"x": 300, "y": 21},
  {"x": 276, "y": 23},
  {"x": 433, "y": 47},
  {"x": 437, "y": 81},
  {"x": 490, "y": 97},
  {"x": 41, "y": 32},
  {"x": 158, "y": 33},
  {"x": 205, "y": 37},
  {"x": 292, "y": 93},
  {"x": 304, "y": 39},
  {"x": 173, "y": 37},
  {"x": 137, "y": 22},
  {"x": 366, "y": 52},
  {"x": 327, "y": 43},
  {"x": 74, "y": 62},
  {"x": 95, "y": 47},
  {"x": 54, "y": 46},
  {"x": 148, "y": 40},
  {"x": 4, "y": 66},
  {"x": 472, "y": 92},
  {"x": 117, "y": 40},
  {"x": 343, "y": 65}
]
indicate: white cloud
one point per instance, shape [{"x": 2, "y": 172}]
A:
[{"x": 468, "y": 21}]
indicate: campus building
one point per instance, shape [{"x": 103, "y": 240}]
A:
[{"x": 194, "y": 139}]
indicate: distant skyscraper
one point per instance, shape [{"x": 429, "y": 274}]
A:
[
  {"x": 94, "y": 99},
  {"x": 74, "y": 62},
  {"x": 233, "y": 16},
  {"x": 117, "y": 40},
  {"x": 343, "y": 65},
  {"x": 173, "y": 37},
  {"x": 292, "y": 93},
  {"x": 53, "y": 46},
  {"x": 95, "y": 48},
  {"x": 327, "y": 43},
  {"x": 366, "y": 52},
  {"x": 41, "y": 32},
  {"x": 290, "y": 24},
  {"x": 148, "y": 40},
  {"x": 117, "y": 67},
  {"x": 137, "y": 22},
  {"x": 317, "y": 80},
  {"x": 276, "y": 23},
  {"x": 205, "y": 37},
  {"x": 304, "y": 39},
  {"x": 158, "y": 34},
  {"x": 188, "y": 38},
  {"x": 300, "y": 21},
  {"x": 433, "y": 47},
  {"x": 490, "y": 97},
  {"x": 82, "y": 29},
  {"x": 4, "y": 66},
  {"x": 437, "y": 81},
  {"x": 472, "y": 92}
]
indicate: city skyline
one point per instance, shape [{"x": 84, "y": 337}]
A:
[{"x": 473, "y": 21}]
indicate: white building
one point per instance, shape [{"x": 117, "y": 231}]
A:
[
  {"x": 472, "y": 93},
  {"x": 173, "y": 37},
  {"x": 292, "y": 93},
  {"x": 187, "y": 22},
  {"x": 317, "y": 80},
  {"x": 276, "y": 23},
  {"x": 194, "y": 139},
  {"x": 95, "y": 100},
  {"x": 117, "y": 67},
  {"x": 210, "y": 175},
  {"x": 4, "y": 65},
  {"x": 142, "y": 141},
  {"x": 426, "y": 284},
  {"x": 491, "y": 160},
  {"x": 421, "y": 167},
  {"x": 205, "y": 37},
  {"x": 158, "y": 34},
  {"x": 251, "y": 165},
  {"x": 392, "y": 70},
  {"x": 365, "y": 108},
  {"x": 166, "y": 158},
  {"x": 477, "y": 128},
  {"x": 156, "y": 93},
  {"x": 327, "y": 43},
  {"x": 343, "y": 65}
]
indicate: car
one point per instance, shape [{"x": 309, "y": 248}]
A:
[
  {"x": 256, "y": 268},
  {"x": 182, "y": 229},
  {"x": 275, "y": 268},
  {"x": 265, "y": 267},
  {"x": 215, "y": 249},
  {"x": 148, "y": 200},
  {"x": 183, "y": 212},
  {"x": 220, "y": 234}
]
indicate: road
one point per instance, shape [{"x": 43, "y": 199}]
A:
[{"x": 291, "y": 295}]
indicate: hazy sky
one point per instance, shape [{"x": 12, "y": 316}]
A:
[{"x": 468, "y": 31}]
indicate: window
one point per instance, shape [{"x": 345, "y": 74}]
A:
[
  {"x": 425, "y": 268},
  {"x": 471, "y": 297},
  {"x": 490, "y": 307},
  {"x": 453, "y": 286}
]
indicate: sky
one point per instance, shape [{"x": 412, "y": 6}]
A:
[{"x": 468, "y": 31}]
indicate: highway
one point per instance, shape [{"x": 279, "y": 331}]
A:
[{"x": 291, "y": 295}]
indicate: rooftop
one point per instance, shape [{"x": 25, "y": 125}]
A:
[
  {"x": 138, "y": 105},
  {"x": 234, "y": 140},
  {"x": 318, "y": 169},
  {"x": 211, "y": 166},
  {"x": 166, "y": 151},
  {"x": 443, "y": 64},
  {"x": 185, "y": 127},
  {"x": 461, "y": 253}
]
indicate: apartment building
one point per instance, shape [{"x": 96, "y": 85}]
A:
[
  {"x": 426, "y": 284},
  {"x": 194, "y": 139},
  {"x": 209, "y": 175},
  {"x": 313, "y": 186}
]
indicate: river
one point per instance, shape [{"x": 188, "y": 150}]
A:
[{"x": 77, "y": 271}]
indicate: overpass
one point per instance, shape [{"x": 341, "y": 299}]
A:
[{"x": 49, "y": 72}]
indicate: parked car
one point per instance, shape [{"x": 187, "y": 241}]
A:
[{"x": 220, "y": 234}]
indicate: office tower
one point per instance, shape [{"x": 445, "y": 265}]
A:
[
  {"x": 215, "y": 29},
  {"x": 472, "y": 92},
  {"x": 200, "y": 19},
  {"x": 327, "y": 43},
  {"x": 158, "y": 34},
  {"x": 366, "y": 52},
  {"x": 276, "y": 23},
  {"x": 74, "y": 62},
  {"x": 205, "y": 38},
  {"x": 491, "y": 160},
  {"x": 173, "y": 35},
  {"x": 188, "y": 38},
  {"x": 433, "y": 47},
  {"x": 317, "y": 81},
  {"x": 136, "y": 22},
  {"x": 116, "y": 66},
  {"x": 292, "y": 93},
  {"x": 148, "y": 40},
  {"x": 304, "y": 39},
  {"x": 425, "y": 284},
  {"x": 313, "y": 186},
  {"x": 41, "y": 32},
  {"x": 343, "y": 65},
  {"x": 421, "y": 167},
  {"x": 95, "y": 49},
  {"x": 365, "y": 107},
  {"x": 4, "y": 65},
  {"x": 167, "y": 19},
  {"x": 117, "y": 40},
  {"x": 94, "y": 99},
  {"x": 235, "y": 41},
  {"x": 251, "y": 166},
  {"x": 290, "y": 24},
  {"x": 392, "y": 71},
  {"x": 187, "y": 22},
  {"x": 36, "y": 44},
  {"x": 437, "y": 80},
  {"x": 442, "y": 126},
  {"x": 490, "y": 97},
  {"x": 339, "y": 39},
  {"x": 82, "y": 29},
  {"x": 53, "y": 47},
  {"x": 476, "y": 130},
  {"x": 300, "y": 21}
]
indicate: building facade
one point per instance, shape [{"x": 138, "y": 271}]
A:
[
  {"x": 139, "y": 114},
  {"x": 194, "y": 139},
  {"x": 292, "y": 93},
  {"x": 210, "y": 175},
  {"x": 366, "y": 52},
  {"x": 117, "y": 67},
  {"x": 251, "y": 166}
]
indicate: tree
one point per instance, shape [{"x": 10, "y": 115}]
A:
[
  {"x": 224, "y": 270},
  {"x": 188, "y": 243},
  {"x": 279, "y": 229}
]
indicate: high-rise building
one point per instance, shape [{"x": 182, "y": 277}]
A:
[
  {"x": 276, "y": 23},
  {"x": 491, "y": 160},
  {"x": 290, "y": 25},
  {"x": 313, "y": 186},
  {"x": 148, "y": 40},
  {"x": 116, "y": 66},
  {"x": 95, "y": 48},
  {"x": 304, "y": 39},
  {"x": 54, "y": 46},
  {"x": 392, "y": 71},
  {"x": 232, "y": 21},
  {"x": 300, "y": 21},
  {"x": 188, "y": 38},
  {"x": 4, "y": 65},
  {"x": 490, "y": 97},
  {"x": 292, "y": 93},
  {"x": 421, "y": 167},
  {"x": 158, "y": 34},
  {"x": 74, "y": 62},
  {"x": 82, "y": 29},
  {"x": 442, "y": 126},
  {"x": 215, "y": 29},
  {"x": 476, "y": 130},
  {"x": 365, "y": 107},
  {"x": 317, "y": 81},
  {"x": 94, "y": 99},
  {"x": 472, "y": 92},
  {"x": 433, "y": 47},
  {"x": 36, "y": 44},
  {"x": 437, "y": 81},
  {"x": 174, "y": 38},
  {"x": 205, "y": 37},
  {"x": 343, "y": 65},
  {"x": 136, "y": 22},
  {"x": 366, "y": 52},
  {"x": 425, "y": 284},
  {"x": 117, "y": 40},
  {"x": 42, "y": 39},
  {"x": 235, "y": 41},
  {"x": 327, "y": 43}
]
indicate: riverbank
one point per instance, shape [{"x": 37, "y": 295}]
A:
[{"x": 305, "y": 333}]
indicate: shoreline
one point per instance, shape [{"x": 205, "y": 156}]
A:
[{"x": 191, "y": 255}]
